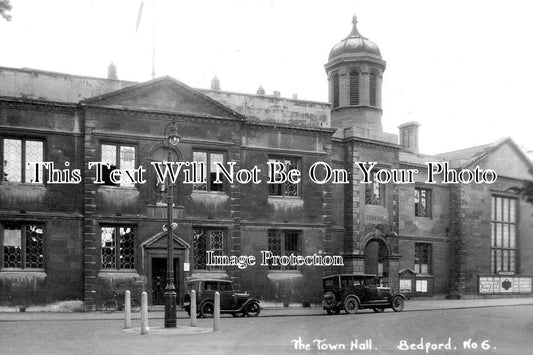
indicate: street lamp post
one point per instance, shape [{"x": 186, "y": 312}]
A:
[{"x": 170, "y": 289}]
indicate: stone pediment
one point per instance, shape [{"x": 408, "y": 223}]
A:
[
  {"x": 159, "y": 241},
  {"x": 167, "y": 95}
]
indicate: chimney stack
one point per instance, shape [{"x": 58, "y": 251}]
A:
[
  {"x": 409, "y": 136},
  {"x": 112, "y": 71}
]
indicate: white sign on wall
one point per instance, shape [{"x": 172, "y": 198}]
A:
[
  {"x": 499, "y": 284},
  {"x": 421, "y": 285},
  {"x": 405, "y": 285}
]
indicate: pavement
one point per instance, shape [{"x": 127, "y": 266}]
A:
[{"x": 158, "y": 311}]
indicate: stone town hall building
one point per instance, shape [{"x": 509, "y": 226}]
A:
[{"x": 82, "y": 241}]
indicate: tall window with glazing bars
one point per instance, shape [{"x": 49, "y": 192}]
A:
[
  {"x": 422, "y": 202},
  {"x": 118, "y": 247},
  {"x": 286, "y": 189},
  {"x": 22, "y": 245},
  {"x": 503, "y": 235},
  {"x": 15, "y": 154},
  {"x": 375, "y": 192},
  {"x": 284, "y": 243},
  {"x": 207, "y": 239}
]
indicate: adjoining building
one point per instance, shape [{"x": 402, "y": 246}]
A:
[{"x": 85, "y": 240}]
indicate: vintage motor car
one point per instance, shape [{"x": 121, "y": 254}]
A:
[
  {"x": 231, "y": 302},
  {"x": 351, "y": 292}
]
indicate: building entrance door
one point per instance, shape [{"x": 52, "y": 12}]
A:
[
  {"x": 375, "y": 257},
  {"x": 159, "y": 280}
]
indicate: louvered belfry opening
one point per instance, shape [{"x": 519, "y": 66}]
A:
[
  {"x": 354, "y": 88},
  {"x": 373, "y": 92},
  {"x": 335, "y": 79}
]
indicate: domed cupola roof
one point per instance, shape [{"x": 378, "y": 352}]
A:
[{"x": 355, "y": 43}]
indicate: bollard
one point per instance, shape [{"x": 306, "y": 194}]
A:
[
  {"x": 144, "y": 313},
  {"x": 193, "y": 308},
  {"x": 216, "y": 313},
  {"x": 127, "y": 310}
]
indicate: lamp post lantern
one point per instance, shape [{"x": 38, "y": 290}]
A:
[{"x": 170, "y": 289}]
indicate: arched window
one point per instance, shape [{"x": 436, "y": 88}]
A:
[
  {"x": 373, "y": 89},
  {"x": 335, "y": 83},
  {"x": 354, "y": 88}
]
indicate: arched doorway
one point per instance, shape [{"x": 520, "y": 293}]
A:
[{"x": 376, "y": 257}]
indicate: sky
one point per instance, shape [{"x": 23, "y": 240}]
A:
[{"x": 462, "y": 69}]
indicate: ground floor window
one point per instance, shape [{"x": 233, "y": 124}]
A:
[
  {"x": 118, "y": 247},
  {"x": 503, "y": 235},
  {"x": 22, "y": 245},
  {"x": 207, "y": 239},
  {"x": 284, "y": 243},
  {"x": 423, "y": 256}
]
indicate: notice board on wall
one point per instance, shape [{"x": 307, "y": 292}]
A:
[{"x": 504, "y": 284}]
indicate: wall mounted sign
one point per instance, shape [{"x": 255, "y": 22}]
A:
[{"x": 504, "y": 284}]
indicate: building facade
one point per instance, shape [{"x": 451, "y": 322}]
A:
[{"x": 91, "y": 235}]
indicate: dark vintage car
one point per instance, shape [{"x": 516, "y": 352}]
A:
[
  {"x": 231, "y": 302},
  {"x": 351, "y": 292}
]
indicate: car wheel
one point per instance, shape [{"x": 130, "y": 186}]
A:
[
  {"x": 207, "y": 309},
  {"x": 397, "y": 304},
  {"x": 252, "y": 309},
  {"x": 351, "y": 305},
  {"x": 378, "y": 310}
]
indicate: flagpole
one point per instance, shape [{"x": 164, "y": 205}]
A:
[{"x": 153, "y": 41}]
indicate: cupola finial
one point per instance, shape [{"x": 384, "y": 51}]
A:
[{"x": 355, "y": 32}]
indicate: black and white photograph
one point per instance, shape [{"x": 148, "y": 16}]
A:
[{"x": 266, "y": 177}]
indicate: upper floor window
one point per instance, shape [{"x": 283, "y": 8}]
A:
[
  {"x": 422, "y": 202},
  {"x": 208, "y": 160},
  {"x": 118, "y": 157},
  {"x": 335, "y": 84},
  {"x": 503, "y": 234},
  {"x": 207, "y": 239},
  {"x": 22, "y": 245},
  {"x": 354, "y": 87},
  {"x": 118, "y": 247},
  {"x": 285, "y": 189},
  {"x": 15, "y": 154},
  {"x": 423, "y": 256},
  {"x": 283, "y": 243},
  {"x": 373, "y": 89},
  {"x": 375, "y": 192}
]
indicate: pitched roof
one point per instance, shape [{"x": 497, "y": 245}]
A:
[{"x": 469, "y": 156}]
